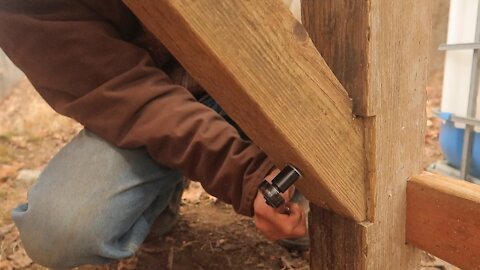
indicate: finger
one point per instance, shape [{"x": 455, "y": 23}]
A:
[
  {"x": 261, "y": 225},
  {"x": 284, "y": 214},
  {"x": 295, "y": 208},
  {"x": 284, "y": 209},
  {"x": 267, "y": 229},
  {"x": 296, "y": 231},
  {"x": 272, "y": 175},
  {"x": 288, "y": 194},
  {"x": 262, "y": 209},
  {"x": 274, "y": 221},
  {"x": 272, "y": 232},
  {"x": 301, "y": 229},
  {"x": 285, "y": 224}
]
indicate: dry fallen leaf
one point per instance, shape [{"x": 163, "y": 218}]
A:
[
  {"x": 5, "y": 265},
  {"x": 9, "y": 171},
  {"x": 6, "y": 229},
  {"x": 20, "y": 259},
  {"x": 193, "y": 192}
]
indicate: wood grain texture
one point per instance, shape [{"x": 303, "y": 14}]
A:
[
  {"x": 395, "y": 70},
  {"x": 339, "y": 30},
  {"x": 443, "y": 218},
  {"x": 258, "y": 62},
  {"x": 337, "y": 235}
]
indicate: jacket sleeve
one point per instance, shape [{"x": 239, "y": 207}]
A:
[{"x": 86, "y": 69}]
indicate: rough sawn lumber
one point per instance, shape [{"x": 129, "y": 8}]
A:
[
  {"x": 258, "y": 62},
  {"x": 443, "y": 218},
  {"x": 378, "y": 49}
]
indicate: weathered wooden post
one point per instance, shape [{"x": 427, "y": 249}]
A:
[{"x": 378, "y": 51}]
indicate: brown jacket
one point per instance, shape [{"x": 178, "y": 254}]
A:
[{"x": 92, "y": 60}]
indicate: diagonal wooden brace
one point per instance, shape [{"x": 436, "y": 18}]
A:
[{"x": 258, "y": 62}]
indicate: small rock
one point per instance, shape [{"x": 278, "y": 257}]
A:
[
  {"x": 27, "y": 177},
  {"x": 229, "y": 246}
]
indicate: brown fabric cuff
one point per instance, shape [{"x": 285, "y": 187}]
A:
[{"x": 250, "y": 187}]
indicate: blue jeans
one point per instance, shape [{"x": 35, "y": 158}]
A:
[{"x": 95, "y": 203}]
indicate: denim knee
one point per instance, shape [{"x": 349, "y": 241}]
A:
[
  {"x": 54, "y": 243},
  {"x": 93, "y": 203}
]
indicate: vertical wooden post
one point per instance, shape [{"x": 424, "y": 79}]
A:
[{"x": 378, "y": 50}]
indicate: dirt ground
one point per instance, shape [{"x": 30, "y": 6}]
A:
[{"x": 209, "y": 235}]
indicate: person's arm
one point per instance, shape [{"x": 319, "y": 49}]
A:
[{"x": 85, "y": 68}]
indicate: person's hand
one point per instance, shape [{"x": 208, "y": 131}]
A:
[{"x": 274, "y": 224}]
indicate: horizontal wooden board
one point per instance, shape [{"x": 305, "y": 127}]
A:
[
  {"x": 443, "y": 218},
  {"x": 258, "y": 62}
]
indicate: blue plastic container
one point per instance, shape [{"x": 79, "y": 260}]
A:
[{"x": 451, "y": 142}]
